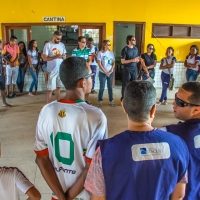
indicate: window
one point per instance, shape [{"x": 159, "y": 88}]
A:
[{"x": 175, "y": 31}]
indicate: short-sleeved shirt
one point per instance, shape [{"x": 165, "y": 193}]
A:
[
  {"x": 192, "y": 60},
  {"x": 107, "y": 58},
  {"x": 149, "y": 59},
  {"x": 34, "y": 56},
  {"x": 51, "y": 50},
  {"x": 22, "y": 58},
  {"x": 93, "y": 52},
  {"x": 68, "y": 132},
  {"x": 128, "y": 54},
  {"x": 84, "y": 53},
  {"x": 12, "y": 179},
  {"x": 13, "y": 52},
  {"x": 169, "y": 61}
]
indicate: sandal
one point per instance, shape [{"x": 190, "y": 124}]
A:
[{"x": 13, "y": 95}]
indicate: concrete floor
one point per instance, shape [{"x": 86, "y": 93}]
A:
[{"x": 17, "y": 131}]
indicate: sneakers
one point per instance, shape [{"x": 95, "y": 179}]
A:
[
  {"x": 161, "y": 103},
  {"x": 89, "y": 103},
  {"x": 93, "y": 92},
  {"x": 99, "y": 103},
  {"x": 112, "y": 104}
]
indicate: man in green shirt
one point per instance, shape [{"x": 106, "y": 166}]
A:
[{"x": 84, "y": 52}]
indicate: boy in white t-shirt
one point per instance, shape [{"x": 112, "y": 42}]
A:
[{"x": 67, "y": 133}]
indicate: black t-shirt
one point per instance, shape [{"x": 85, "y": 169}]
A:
[
  {"x": 128, "y": 54},
  {"x": 149, "y": 60}
]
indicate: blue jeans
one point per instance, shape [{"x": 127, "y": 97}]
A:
[
  {"x": 35, "y": 77},
  {"x": 20, "y": 78},
  {"x": 102, "y": 80},
  {"x": 151, "y": 74},
  {"x": 191, "y": 75},
  {"x": 165, "y": 78},
  {"x": 94, "y": 70}
]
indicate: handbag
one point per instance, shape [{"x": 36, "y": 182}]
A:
[
  {"x": 171, "y": 81},
  {"x": 7, "y": 56}
]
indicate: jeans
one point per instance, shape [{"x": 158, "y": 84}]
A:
[
  {"x": 191, "y": 75},
  {"x": 20, "y": 78},
  {"x": 102, "y": 80},
  {"x": 94, "y": 70},
  {"x": 151, "y": 74},
  {"x": 128, "y": 76},
  {"x": 165, "y": 78},
  {"x": 35, "y": 77}
]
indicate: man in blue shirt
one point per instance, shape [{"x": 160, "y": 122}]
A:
[
  {"x": 142, "y": 162},
  {"x": 129, "y": 58},
  {"x": 187, "y": 108},
  {"x": 2, "y": 78}
]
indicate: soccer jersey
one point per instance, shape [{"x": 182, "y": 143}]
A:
[
  {"x": 68, "y": 131},
  {"x": 93, "y": 50},
  {"x": 134, "y": 165},
  {"x": 84, "y": 53},
  {"x": 192, "y": 60},
  {"x": 12, "y": 179}
]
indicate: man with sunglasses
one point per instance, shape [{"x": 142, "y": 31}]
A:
[
  {"x": 84, "y": 52},
  {"x": 54, "y": 53},
  {"x": 187, "y": 108},
  {"x": 141, "y": 163},
  {"x": 129, "y": 58},
  {"x": 67, "y": 133}
]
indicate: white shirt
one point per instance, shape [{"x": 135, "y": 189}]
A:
[
  {"x": 34, "y": 56},
  {"x": 12, "y": 179},
  {"x": 51, "y": 50},
  {"x": 93, "y": 51},
  {"x": 192, "y": 61},
  {"x": 169, "y": 61},
  {"x": 68, "y": 133},
  {"x": 106, "y": 58}
]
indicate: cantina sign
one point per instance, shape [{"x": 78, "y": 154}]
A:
[{"x": 53, "y": 19}]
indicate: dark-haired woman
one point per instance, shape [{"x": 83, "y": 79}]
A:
[
  {"x": 23, "y": 62},
  {"x": 167, "y": 66},
  {"x": 148, "y": 62},
  {"x": 192, "y": 64},
  {"x": 33, "y": 60}
]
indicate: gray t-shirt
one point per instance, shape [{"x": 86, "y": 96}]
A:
[{"x": 51, "y": 50}]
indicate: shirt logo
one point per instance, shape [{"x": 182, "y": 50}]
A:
[
  {"x": 150, "y": 151},
  {"x": 62, "y": 113}
]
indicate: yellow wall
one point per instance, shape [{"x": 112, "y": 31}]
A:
[{"x": 107, "y": 11}]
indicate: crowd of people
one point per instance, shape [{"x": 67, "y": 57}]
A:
[{"x": 73, "y": 152}]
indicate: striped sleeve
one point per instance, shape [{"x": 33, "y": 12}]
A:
[{"x": 74, "y": 53}]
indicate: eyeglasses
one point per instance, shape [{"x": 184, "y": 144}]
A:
[
  {"x": 151, "y": 48},
  {"x": 133, "y": 40},
  {"x": 109, "y": 45},
  {"x": 182, "y": 103}
]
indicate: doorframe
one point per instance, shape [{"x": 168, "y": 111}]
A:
[
  {"x": 5, "y": 27},
  {"x": 129, "y": 22}
]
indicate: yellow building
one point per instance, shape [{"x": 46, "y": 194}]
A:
[{"x": 179, "y": 24}]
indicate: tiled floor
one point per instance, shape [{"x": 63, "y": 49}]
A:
[{"x": 17, "y": 130}]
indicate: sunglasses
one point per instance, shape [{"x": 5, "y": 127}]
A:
[
  {"x": 182, "y": 103},
  {"x": 86, "y": 76},
  {"x": 151, "y": 48},
  {"x": 58, "y": 39}
]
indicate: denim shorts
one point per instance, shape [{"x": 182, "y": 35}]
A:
[{"x": 44, "y": 68}]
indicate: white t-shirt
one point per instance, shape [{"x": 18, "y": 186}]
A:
[
  {"x": 106, "y": 58},
  {"x": 169, "y": 61},
  {"x": 12, "y": 179},
  {"x": 34, "y": 56},
  {"x": 51, "y": 50},
  {"x": 68, "y": 132},
  {"x": 192, "y": 61},
  {"x": 93, "y": 51}
]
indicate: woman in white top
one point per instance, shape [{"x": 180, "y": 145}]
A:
[
  {"x": 167, "y": 66},
  {"x": 33, "y": 60},
  {"x": 192, "y": 64},
  {"x": 106, "y": 62}
]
